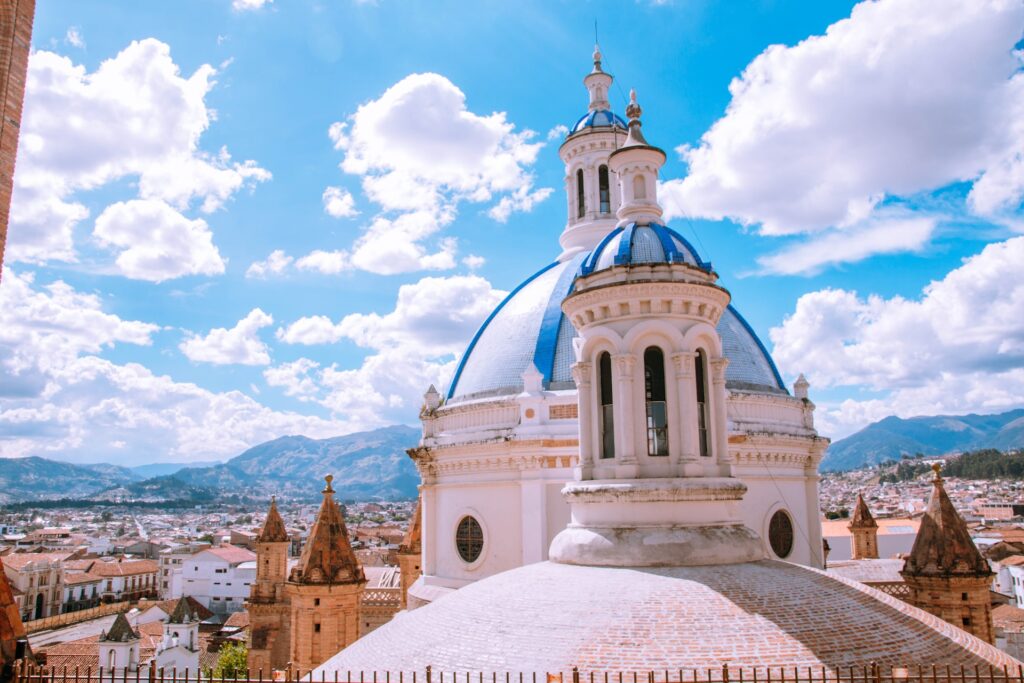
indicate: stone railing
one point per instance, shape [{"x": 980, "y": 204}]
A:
[{"x": 58, "y": 620}]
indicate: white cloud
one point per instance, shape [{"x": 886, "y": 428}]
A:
[
  {"x": 339, "y": 203},
  {"x": 959, "y": 347},
  {"x": 421, "y": 153},
  {"x": 558, "y": 132},
  {"x": 74, "y": 38},
  {"x": 248, "y": 5},
  {"x": 155, "y": 242},
  {"x": 326, "y": 262},
  {"x": 59, "y": 399},
  {"x": 904, "y": 96},
  {"x": 134, "y": 118},
  {"x": 472, "y": 261},
  {"x": 849, "y": 245},
  {"x": 294, "y": 378},
  {"x": 275, "y": 264},
  {"x": 413, "y": 346},
  {"x": 241, "y": 344}
]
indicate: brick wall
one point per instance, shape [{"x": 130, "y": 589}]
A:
[{"x": 15, "y": 39}]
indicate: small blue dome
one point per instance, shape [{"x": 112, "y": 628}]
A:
[
  {"x": 636, "y": 244},
  {"x": 599, "y": 118}
]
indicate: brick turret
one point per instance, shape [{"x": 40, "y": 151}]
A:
[
  {"x": 946, "y": 574},
  {"x": 410, "y": 554},
  {"x": 269, "y": 613},
  {"x": 324, "y": 589},
  {"x": 863, "y": 532}
]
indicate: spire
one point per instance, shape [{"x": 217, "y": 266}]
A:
[
  {"x": 183, "y": 613},
  {"x": 273, "y": 528},
  {"x": 943, "y": 547},
  {"x": 120, "y": 631},
  {"x": 862, "y": 518},
  {"x": 597, "y": 59},
  {"x": 327, "y": 557},
  {"x": 635, "y": 138},
  {"x": 411, "y": 540}
]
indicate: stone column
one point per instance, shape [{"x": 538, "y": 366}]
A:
[
  {"x": 570, "y": 195},
  {"x": 718, "y": 417},
  {"x": 813, "y": 517},
  {"x": 429, "y": 530},
  {"x": 625, "y": 410},
  {"x": 686, "y": 400},
  {"x": 587, "y": 410}
]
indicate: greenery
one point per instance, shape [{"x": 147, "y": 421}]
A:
[
  {"x": 232, "y": 662},
  {"x": 987, "y": 463},
  {"x": 842, "y": 513}
]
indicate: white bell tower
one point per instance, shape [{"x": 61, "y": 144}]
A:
[{"x": 590, "y": 185}]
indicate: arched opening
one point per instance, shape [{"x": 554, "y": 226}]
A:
[
  {"x": 581, "y": 204},
  {"x": 39, "y": 606},
  {"x": 703, "y": 412},
  {"x": 654, "y": 394},
  {"x": 604, "y": 193},
  {"x": 639, "y": 187},
  {"x": 606, "y": 417},
  {"x": 780, "y": 534},
  {"x": 111, "y": 659}
]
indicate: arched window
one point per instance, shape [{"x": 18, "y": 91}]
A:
[
  {"x": 639, "y": 187},
  {"x": 654, "y": 393},
  {"x": 780, "y": 533},
  {"x": 111, "y": 659},
  {"x": 605, "y": 194},
  {"x": 703, "y": 413},
  {"x": 581, "y": 204},
  {"x": 607, "y": 416},
  {"x": 469, "y": 539}
]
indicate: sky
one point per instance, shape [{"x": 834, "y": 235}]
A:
[{"x": 239, "y": 219}]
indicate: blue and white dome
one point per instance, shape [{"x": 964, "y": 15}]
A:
[
  {"x": 529, "y": 327},
  {"x": 599, "y": 118},
  {"x": 636, "y": 244}
]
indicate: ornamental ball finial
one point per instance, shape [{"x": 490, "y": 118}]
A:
[
  {"x": 633, "y": 111},
  {"x": 937, "y": 469},
  {"x": 329, "y": 489}
]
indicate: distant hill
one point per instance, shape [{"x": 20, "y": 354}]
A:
[
  {"x": 35, "y": 478},
  {"x": 893, "y": 437},
  {"x": 365, "y": 465},
  {"x": 159, "y": 469}
]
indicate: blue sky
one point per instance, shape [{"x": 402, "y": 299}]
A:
[{"x": 854, "y": 172}]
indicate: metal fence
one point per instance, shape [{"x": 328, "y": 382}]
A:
[{"x": 26, "y": 672}]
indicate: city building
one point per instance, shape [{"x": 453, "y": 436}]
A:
[
  {"x": 503, "y": 441},
  {"x": 125, "y": 580},
  {"x": 220, "y": 578},
  {"x": 39, "y": 577}
]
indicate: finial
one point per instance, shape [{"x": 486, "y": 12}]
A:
[
  {"x": 273, "y": 499},
  {"x": 597, "y": 57},
  {"x": 633, "y": 111},
  {"x": 937, "y": 468},
  {"x": 328, "y": 489}
]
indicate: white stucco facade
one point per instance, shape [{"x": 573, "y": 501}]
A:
[
  {"x": 525, "y": 411},
  {"x": 219, "y": 578}
]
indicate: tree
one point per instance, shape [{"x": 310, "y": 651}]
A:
[{"x": 232, "y": 662}]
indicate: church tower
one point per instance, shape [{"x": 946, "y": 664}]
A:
[
  {"x": 654, "y": 484},
  {"x": 946, "y": 574},
  {"x": 269, "y": 615},
  {"x": 324, "y": 589},
  {"x": 863, "y": 532},
  {"x": 119, "y": 647},
  {"x": 410, "y": 554},
  {"x": 590, "y": 185}
]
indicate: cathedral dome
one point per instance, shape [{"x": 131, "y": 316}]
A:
[
  {"x": 599, "y": 118},
  {"x": 552, "y": 617},
  {"x": 529, "y": 326},
  {"x": 636, "y": 244}
]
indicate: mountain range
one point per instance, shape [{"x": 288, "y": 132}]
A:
[
  {"x": 366, "y": 465},
  {"x": 892, "y": 437}
]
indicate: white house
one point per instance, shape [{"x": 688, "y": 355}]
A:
[{"x": 220, "y": 578}]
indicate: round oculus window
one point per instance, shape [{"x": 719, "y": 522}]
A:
[
  {"x": 780, "y": 533},
  {"x": 469, "y": 539}
]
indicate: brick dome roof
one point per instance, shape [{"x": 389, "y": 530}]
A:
[{"x": 552, "y": 617}]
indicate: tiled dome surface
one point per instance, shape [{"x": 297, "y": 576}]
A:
[
  {"x": 551, "y": 617},
  {"x": 599, "y": 118}
]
